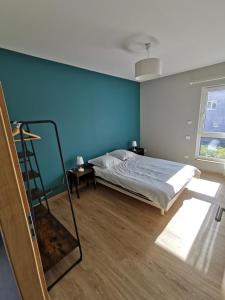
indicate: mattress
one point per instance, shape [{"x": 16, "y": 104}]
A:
[{"x": 157, "y": 179}]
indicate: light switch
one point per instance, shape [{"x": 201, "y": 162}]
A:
[
  {"x": 189, "y": 122},
  {"x": 187, "y": 137}
]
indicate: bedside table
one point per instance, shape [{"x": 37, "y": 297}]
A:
[
  {"x": 74, "y": 177},
  {"x": 139, "y": 150}
]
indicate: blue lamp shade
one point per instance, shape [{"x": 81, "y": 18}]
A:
[
  {"x": 80, "y": 161},
  {"x": 134, "y": 144}
]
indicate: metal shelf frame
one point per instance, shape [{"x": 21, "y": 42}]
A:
[{"x": 25, "y": 155}]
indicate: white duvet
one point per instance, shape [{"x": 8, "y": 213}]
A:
[{"x": 157, "y": 179}]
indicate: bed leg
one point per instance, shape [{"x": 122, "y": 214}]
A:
[{"x": 162, "y": 212}]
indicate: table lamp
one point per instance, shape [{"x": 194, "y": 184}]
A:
[
  {"x": 134, "y": 145},
  {"x": 80, "y": 162}
]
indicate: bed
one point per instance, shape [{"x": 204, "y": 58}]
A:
[{"x": 155, "y": 181}]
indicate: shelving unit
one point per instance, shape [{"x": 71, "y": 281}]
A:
[{"x": 54, "y": 240}]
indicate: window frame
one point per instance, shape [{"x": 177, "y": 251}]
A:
[{"x": 201, "y": 133}]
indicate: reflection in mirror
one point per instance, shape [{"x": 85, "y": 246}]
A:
[{"x": 8, "y": 287}]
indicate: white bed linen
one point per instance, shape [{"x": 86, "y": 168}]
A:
[{"x": 157, "y": 179}]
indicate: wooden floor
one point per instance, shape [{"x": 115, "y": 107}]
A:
[{"x": 132, "y": 252}]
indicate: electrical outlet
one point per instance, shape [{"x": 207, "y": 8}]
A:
[{"x": 187, "y": 137}]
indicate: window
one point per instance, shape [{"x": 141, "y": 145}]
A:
[
  {"x": 211, "y": 105},
  {"x": 211, "y": 126}
]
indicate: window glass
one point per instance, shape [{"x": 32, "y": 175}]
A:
[
  {"x": 214, "y": 120},
  {"x": 211, "y": 128},
  {"x": 212, "y": 147}
]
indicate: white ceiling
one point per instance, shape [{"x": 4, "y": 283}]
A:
[{"x": 94, "y": 34}]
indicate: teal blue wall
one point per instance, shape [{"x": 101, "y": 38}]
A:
[{"x": 95, "y": 113}]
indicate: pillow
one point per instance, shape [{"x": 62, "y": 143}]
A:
[
  {"x": 105, "y": 161},
  {"x": 122, "y": 154}
]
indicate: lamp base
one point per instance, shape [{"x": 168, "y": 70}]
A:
[{"x": 80, "y": 169}]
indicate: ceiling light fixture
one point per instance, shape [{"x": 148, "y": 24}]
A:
[{"x": 148, "y": 68}]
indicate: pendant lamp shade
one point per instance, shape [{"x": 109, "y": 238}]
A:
[{"x": 147, "y": 69}]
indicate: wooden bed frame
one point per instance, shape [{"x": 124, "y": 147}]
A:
[{"x": 139, "y": 196}]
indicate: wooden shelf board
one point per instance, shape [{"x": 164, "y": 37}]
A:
[
  {"x": 54, "y": 240},
  {"x": 32, "y": 174},
  {"x": 20, "y": 154}
]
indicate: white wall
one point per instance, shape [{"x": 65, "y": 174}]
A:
[{"x": 166, "y": 106}]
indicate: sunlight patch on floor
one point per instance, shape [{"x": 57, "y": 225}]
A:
[
  {"x": 180, "y": 233},
  {"x": 202, "y": 186}
]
